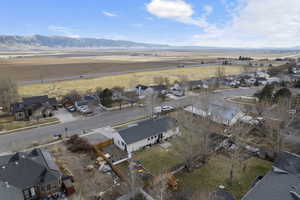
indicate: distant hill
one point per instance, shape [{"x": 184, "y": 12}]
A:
[{"x": 42, "y": 42}]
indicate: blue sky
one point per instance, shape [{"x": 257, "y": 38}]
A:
[{"x": 243, "y": 23}]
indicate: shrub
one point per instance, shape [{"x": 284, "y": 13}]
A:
[{"x": 78, "y": 144}]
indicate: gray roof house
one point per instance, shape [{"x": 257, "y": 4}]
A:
[
  {"x": 218, "y": 113},
  {"x": 281, "y": 183},
  {"x": 145, "y": 133},
  {"x": 29, "y": 175}
]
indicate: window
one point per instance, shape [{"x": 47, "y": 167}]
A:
[
  {"x": 48, "y": 187},
  {"x": 26, "y": 194}
]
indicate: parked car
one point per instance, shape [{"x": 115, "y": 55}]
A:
[
  {"x": 83, "y": 107},
  {"x": 167, "y": 108}
]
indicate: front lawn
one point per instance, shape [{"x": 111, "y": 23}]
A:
[{"x": 7, "y": 126}]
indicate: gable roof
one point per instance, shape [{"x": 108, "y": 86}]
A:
[
  {"x": 35, "y": 100},
  {"x": 10, "y": 192},
  {"x": 146, "y": 129},
  {"x": 23, "y": 170},
  {"x": 215, "y": 110},
  {"x": 281, "y": 183}
]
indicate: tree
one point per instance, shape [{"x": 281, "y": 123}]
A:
[
  {"x": 220, "y": 72},
  {"x": 266, "y": 94},
  {"x": 120, "y": 95},
  {"x": 72, "y": 96},
  {"x": 8, "y": 93},
  {"x": 297, "y": 84},
  {"x": 284, "y": 94},
  {"x": 277, "y": 123},
  {"x": 192, "y": 143},
  {"x": 106, "y": 97},
  {"x": 150, "y": 102}
]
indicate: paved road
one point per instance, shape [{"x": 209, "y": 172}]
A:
[
  {"x": 96, "y": 75},
  {"x": 23, "y": 139}
]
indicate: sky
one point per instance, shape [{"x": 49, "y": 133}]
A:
[{"x": 217, "y": 23}]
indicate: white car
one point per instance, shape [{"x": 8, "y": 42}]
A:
[{"x": 167, "y": 108}]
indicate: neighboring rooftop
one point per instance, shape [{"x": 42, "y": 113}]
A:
[
  {"x": 281, "y": 183},
  {"x": 22, "y": 170},
  {"x": 145, "y": 129}
]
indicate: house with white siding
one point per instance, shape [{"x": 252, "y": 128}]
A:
[
  {"x": 217, "y": 113},
  {"x": 145, "y": 133}
]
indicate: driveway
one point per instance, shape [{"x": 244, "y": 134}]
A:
[{"x": 64, "y": 116}]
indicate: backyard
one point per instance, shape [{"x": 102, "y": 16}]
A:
[
  {"x": 156, "y": 159},
  {"x": 217, "y": 172}
]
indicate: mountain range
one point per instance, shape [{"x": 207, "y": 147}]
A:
[{"x": 49, "y": 42}]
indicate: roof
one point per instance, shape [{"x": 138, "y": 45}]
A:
[
  {"x": 282, "y": 182},
  {"x": 215, "y": 110},
  {"x": 145, "y": 129},
  {"x": 142, "y": 87},
  {"x": 158, "y": 87},
  {"x": 223, "y": 195},
  {"x": 35, "y": 100},
  {"x": 27, "y": 169},
  {"x": 10, "y": 192}
]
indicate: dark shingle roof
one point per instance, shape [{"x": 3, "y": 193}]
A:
[
  {"x": 9, "y": 192},
  {"x": 146, "y": 129},
  {"x": 35, "y": 100},
  {"x": 281, "y": 183},
  {"x": 23, "y": 170}
]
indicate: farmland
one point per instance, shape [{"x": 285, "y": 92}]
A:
[{"x": 126, "y": 80}]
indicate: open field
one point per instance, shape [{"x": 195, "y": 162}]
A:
[
  {"x": 217, "y": 172},
  {"x": 126, "y": 80},
  {"x": 59, "y": 64}
]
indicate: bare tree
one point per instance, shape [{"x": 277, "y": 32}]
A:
[
  {"x": 192, "y": 143},
  {"x": 220, "y": 72},
  {"x": 277, "y": 122},
  {"x": 150, "y": 102},
  {"x": 8, "y": 92}
]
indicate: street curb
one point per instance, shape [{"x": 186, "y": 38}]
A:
[{"x": 28, "y": 127}]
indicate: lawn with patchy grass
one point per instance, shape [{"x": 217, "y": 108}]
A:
[
  {"x": 217, "y": 172},
  {"x": 157, "y": 159},
  {"x": 12, "y": 125},
  {"x": 128, "y": 80}
]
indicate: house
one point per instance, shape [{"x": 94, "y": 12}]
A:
[
  {"x": 145, "y": 133},
  {"x": 197, "y": 84},
  {"x": 29, "y": 176},
  {"x": 140, "y": 90},
  {"x": 261, "y": 74},
  {"x": 295, "y": 70},
  {"x": 217, "y": 113},
  {"x": 280, "y": 183},
  {"x": 178, "y": 90},
  {"x": 262, "y": 80},
  {"x": 37, "y": 106}
]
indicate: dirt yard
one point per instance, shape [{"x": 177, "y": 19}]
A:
[{"x": 87, "y": 183}]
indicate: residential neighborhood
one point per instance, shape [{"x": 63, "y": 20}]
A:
[
  {"x": 150, "y": 100},
  {"x": 234, "y": 112}
]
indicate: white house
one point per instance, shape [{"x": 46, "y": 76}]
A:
[
  {"x": 145, "y": 133},
  {"x": 217, "y": 113},
  {"x": 261, "y": 74}
]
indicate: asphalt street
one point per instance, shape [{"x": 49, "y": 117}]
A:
[{"x": 25, "y": 138}]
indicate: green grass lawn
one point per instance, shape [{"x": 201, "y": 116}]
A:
[
  {"x": 156, "y": 159},
  {"x": 7, "y": 126},
  {"x": 217, "y": 172}
]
